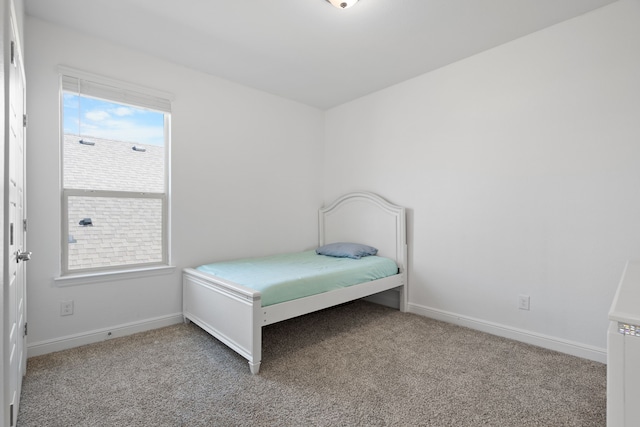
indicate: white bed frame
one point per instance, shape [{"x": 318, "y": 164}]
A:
[{"x": 234, "y": 314}]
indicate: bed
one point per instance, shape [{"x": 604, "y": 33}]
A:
[{"x": 235, "y": 313}]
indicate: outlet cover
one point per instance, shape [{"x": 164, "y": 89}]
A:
[
  {"x": 523, "y": 302},
  {"x": 66, "y": 308}
]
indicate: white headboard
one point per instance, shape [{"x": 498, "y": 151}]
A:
[{"x": 368, "y": 219}]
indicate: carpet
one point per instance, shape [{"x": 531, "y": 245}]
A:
[{"x": 358, "y": 364}]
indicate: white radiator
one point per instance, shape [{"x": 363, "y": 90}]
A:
[{"x": 623, "y": 351}]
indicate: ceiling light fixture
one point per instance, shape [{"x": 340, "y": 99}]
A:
[{"x": 343, "y": 4}]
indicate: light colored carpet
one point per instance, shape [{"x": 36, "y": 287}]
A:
[{"x": 356, "y": 364}]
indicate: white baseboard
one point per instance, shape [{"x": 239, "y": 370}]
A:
[
  {"x": 98, "y": 335},
  {"x": 552, "y": 343}
]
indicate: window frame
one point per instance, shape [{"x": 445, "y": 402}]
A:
[{"x": 111, "y": 90}]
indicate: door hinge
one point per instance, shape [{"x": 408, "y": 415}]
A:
[
  {"x": 13, "y": 52},
  {"x": 24, "y": 120},
  {"x": 25, "y": 329},
  {"x": 24, "y": 225}
]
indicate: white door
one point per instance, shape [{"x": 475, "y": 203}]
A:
[{"x": 15, "y": 253}]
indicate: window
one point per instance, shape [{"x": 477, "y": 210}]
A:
[{"x": 115, "y": 157}]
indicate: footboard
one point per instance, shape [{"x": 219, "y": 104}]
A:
[{"x": 228, "y": 311}]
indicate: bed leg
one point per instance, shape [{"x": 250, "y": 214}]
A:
[
  {"x": 404, "y": 306},
  {"x": 255, "y": 367}
]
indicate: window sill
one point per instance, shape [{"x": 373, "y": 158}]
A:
[{"x": 110, "y": 276}]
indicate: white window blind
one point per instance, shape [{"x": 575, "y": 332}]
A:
[{"x": 100, "y": 87}]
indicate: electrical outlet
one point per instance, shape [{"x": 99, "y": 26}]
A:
[
  {"x": 66, "y": 308},
  {"x": 523, "y": 302}
]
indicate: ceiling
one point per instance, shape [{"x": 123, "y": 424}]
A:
[{"x": 307, "y": 50}]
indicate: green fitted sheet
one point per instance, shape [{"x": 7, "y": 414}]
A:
[{"x": 286, "y": 277}]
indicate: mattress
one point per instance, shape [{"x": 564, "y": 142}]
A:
[{"x": 286, "y": 277}]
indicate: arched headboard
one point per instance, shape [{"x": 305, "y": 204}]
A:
[{"x": 369, "y": 219}]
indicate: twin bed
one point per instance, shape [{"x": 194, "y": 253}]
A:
[{"x": 233, "y": 300}]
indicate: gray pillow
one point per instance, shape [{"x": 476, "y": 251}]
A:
[{"x": 346, "y": 250}]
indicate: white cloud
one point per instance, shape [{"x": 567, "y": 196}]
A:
[
  {"x": 124, "y": 130},
  {"x": 122, "y": 123},
  {"x": 97, "y": 116},
  {"x": 123, "y": 111}
]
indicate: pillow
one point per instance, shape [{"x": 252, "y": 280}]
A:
[{"x": 346, "y": 250}]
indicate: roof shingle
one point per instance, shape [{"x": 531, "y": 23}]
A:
[{"x": 125, "y": 231}]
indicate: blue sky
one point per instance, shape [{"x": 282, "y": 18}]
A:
[{"x": 110, "y": 120}]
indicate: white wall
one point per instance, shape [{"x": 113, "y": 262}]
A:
[
  {"x": 521, "y": 169},
  {"x": 245, "y": 169}
]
